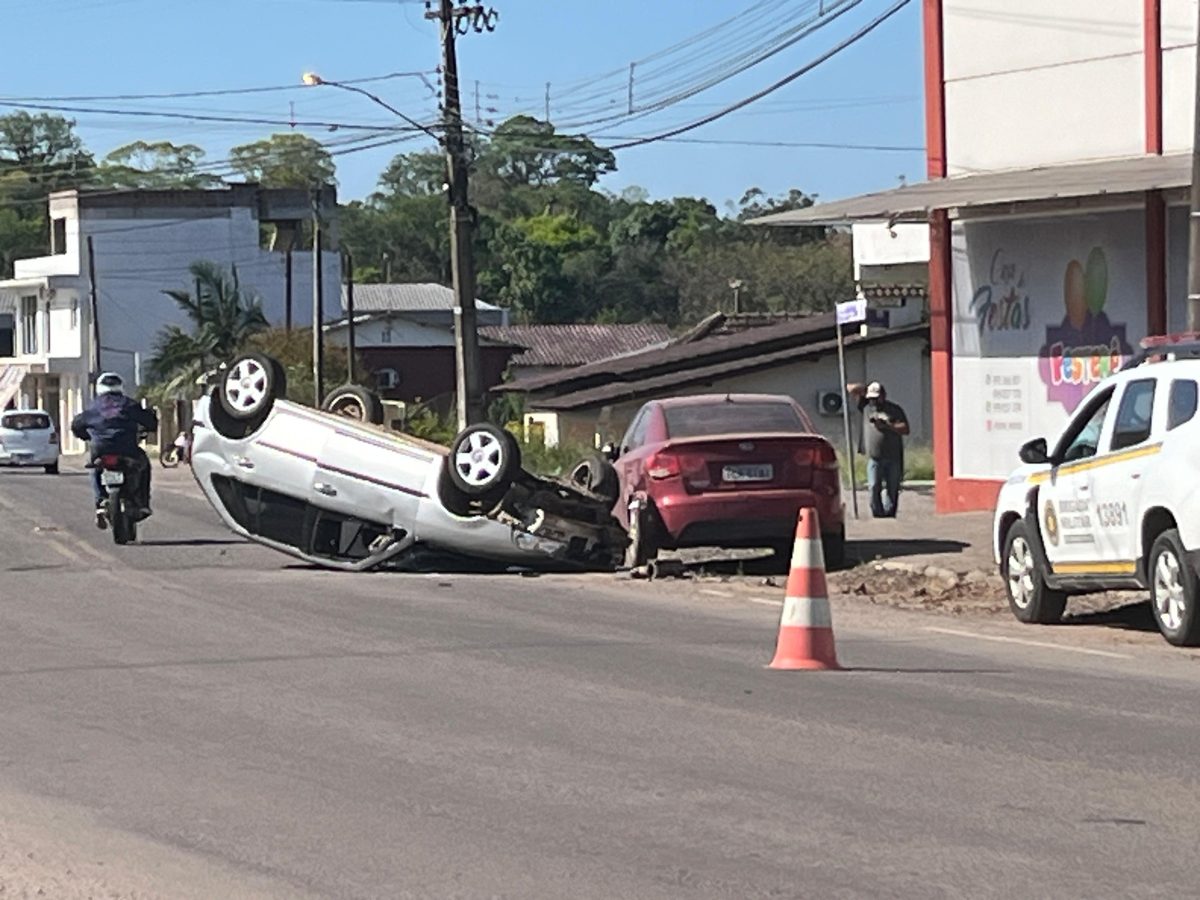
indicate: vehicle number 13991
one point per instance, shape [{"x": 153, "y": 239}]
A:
[{"x": 1112, "y": 515}]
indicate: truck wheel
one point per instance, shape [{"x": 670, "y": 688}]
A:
[
  {"x": 1173, "y": 591},
  {"x": 1028, "y": 596}
]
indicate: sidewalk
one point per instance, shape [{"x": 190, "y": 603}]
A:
[{"x": 918, "y": 538}]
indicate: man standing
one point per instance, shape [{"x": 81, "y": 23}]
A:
[{"x": 883, "y": 431}]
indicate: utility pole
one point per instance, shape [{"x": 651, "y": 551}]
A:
[
  {"x": 455, "y": 20},
  {"x": 317, "y": 298},
  {"x": 1193, "y": 308},
  {"x": 349, "y": 264},
  {"x": 631, "y": 67},
  {"x": 94, "y": 356}
]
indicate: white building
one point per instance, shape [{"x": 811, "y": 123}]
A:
[
  {"x": 142, "y": 244},
  {"x": 1058, "y": 143}
]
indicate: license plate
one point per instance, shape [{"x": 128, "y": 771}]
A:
[
  {"x": 748, "y": 473},
  {"x": 112, "y": 478}
]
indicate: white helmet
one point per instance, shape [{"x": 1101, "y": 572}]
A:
[{"x": 110, "y": 383}]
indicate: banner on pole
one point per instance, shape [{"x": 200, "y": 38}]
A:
[{"x": 851, "y": 311}]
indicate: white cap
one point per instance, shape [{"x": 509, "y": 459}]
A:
[
  {"x": 110, "y": 383},
  {"x": 874, "y": 389}
]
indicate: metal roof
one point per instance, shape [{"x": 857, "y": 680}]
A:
[
  {"x": 1105, "y": 177},
  {"x": 574, "y": 345},
  {"x": 409, "y": 297}
]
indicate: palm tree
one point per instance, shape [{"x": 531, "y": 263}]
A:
[{"x": 223, "y": 319}]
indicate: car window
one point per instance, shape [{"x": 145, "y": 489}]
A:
[
  {"x": 636, "y": 435},
  {"x": 1182, "y": 406},
  {"x": 25, "y": 421},
  {"x": 1083, "y": 438},
  {"x": 264, "y": 512},
  {"x": 732, "y": 417},
  {"x": 1133, "y": 415}
]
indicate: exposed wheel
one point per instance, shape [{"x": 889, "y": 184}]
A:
[
  {"x": 251, "y": 384},
  {"x": 1173, "y": 591},
  {"x": 833, "y": 547},
  {"x": 643, "y": 537},
  {"x": 52, "y": 469},
  {"x": 123, "y": 528},
  {"x": 598, "y": 476},
  {"x": 168, "y": 457},
  {"x": 355, "y": 402},
  {"x": 225, "y": 424},
  {"x": 1028, "y": 596},
  {"x": 483, "y": 459}
]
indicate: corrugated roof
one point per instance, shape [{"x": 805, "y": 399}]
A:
[
  {"x": 575, "y": 345},
  {"x": 624, "y": 391},
  {"x": 718, "y": 348},
  {"x": 1106, "y": 177},
  {"x": 404, "y": 298}
]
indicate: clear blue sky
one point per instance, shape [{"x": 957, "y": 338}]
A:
[{"x": 869, "y": 94}]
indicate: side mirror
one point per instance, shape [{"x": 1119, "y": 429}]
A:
[
  {"x": 609, "y": 451},
  {"x": 1035, "y": 452}
]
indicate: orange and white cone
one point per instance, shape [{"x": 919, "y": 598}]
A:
[{"x": 806, "y": 626}]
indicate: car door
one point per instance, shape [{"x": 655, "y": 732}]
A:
[
  {"x": 1116, "y": 479},
  {"x": 1064, "y": 501},
  {"x": 371, "y": 477},
  {"x": 631, "y": 463}
]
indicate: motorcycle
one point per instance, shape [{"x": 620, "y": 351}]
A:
[
  {"x": 118, "y": 476},
  {"x": 181, "y": 450}
]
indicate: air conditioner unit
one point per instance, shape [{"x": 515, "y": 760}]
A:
[{"x": 829, "y": 403}]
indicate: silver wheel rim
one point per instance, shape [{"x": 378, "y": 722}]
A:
[
  {"x": 1170, "y": 602},
  {"x": 1020, "y": 573},
  {"x": 479, "y": 459},
  {"x": 246, "y": 386}
]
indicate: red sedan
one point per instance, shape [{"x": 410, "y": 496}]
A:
[{"x": 726, "y": 470}]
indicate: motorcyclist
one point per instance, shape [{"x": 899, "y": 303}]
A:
[{"x": 111, "y": 425}]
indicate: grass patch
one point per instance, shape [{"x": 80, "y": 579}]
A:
[{"x": 918, "y": 465}]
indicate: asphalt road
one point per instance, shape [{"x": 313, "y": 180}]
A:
[{"x": 198, "y": 717}]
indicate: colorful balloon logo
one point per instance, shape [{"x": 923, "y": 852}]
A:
[
  {"x": 1074, "y": 294},
  {"x": 1096, "y": 280}
]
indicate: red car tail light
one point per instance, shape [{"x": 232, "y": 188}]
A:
[
  {"x": 666, "y": 464},
  {"x": 110, "y": 460},
  {"x": 662, "y": 465}
]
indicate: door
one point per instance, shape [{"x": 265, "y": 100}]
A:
[
  {"x": 1116, "y": 486},
  {"x": 1067, "y": 522},
  {"x": 371, "y": 477},
  {"x": 631, "y": 463}
]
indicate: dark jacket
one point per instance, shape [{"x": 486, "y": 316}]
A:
[{"x": 111, "y": 424}]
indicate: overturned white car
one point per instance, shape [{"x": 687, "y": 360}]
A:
[{"x": 343, "y": 493}]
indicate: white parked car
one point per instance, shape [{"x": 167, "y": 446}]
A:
[
  {"x": 1114, "y": 503},
  {"x": 28, "y": 438},
  {"x": 346, "y": 494}
]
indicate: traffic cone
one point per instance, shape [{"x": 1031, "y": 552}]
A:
[{"x": 806, "y": 626}]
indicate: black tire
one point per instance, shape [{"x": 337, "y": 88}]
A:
[
  {"x": 833, "y": 547},
  {"x": 598, "y": 476},
  {"x": 1029, "y": 598},
  {"x": 644, "y": 539},
  {"x": 483, "y": 461},
  {"x": 1174, "y": 591},
  {"x": 124, "y": 531},
  {"x": 52, "y": 469},
  {"x": 354, "y": 402},
  {"x": 168, "y": 457},
  {"x": 250, "y": 386},
  {"x": 226, "y": 425}
]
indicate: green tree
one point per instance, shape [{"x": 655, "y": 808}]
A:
[
  {"x": 157, "y": 165},
  {"x": 284, "y": 161},
  {"x": 293, "y": 349},
  {"x": 222, "y": 318}
]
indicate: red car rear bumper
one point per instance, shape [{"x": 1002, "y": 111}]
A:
[{"x": 742, "y": 519}]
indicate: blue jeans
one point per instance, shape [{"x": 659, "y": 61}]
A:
[{"x": 883, "y": 479}]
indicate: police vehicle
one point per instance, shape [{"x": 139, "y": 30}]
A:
[{"x": 1114, "y": 503}]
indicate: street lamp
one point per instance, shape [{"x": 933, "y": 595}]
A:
[{"x": 466, "y": 332}]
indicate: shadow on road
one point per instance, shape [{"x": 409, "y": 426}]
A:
[
  {"x": 194, "y": 542},
  {"x": 1130, "y": 617}
]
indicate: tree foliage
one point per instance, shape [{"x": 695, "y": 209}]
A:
[
  {"x": 284, "y": 161},
  {"x": 155, "y": 166}
]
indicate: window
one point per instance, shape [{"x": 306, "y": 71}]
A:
[
  {"x": 25, "y": 422},
  {"x": 1082, "y": 439},
  {"x": 58, "y": 236},
  {"x": 731, "y": 417},
  {"x": 29, "y": 335},
  {"x": 1134, "y": 413},
  {"x": 74, "y": 314},
  {"x": 636, "y": 435},
  {"x": 270, "y": 514},
  {"x": 385, "y": 335},
  {"x": 1183, "y": 403},
  {"x": 386, "y": 379}
]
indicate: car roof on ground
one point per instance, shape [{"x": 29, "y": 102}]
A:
[{"x": 705, "y": 399}]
